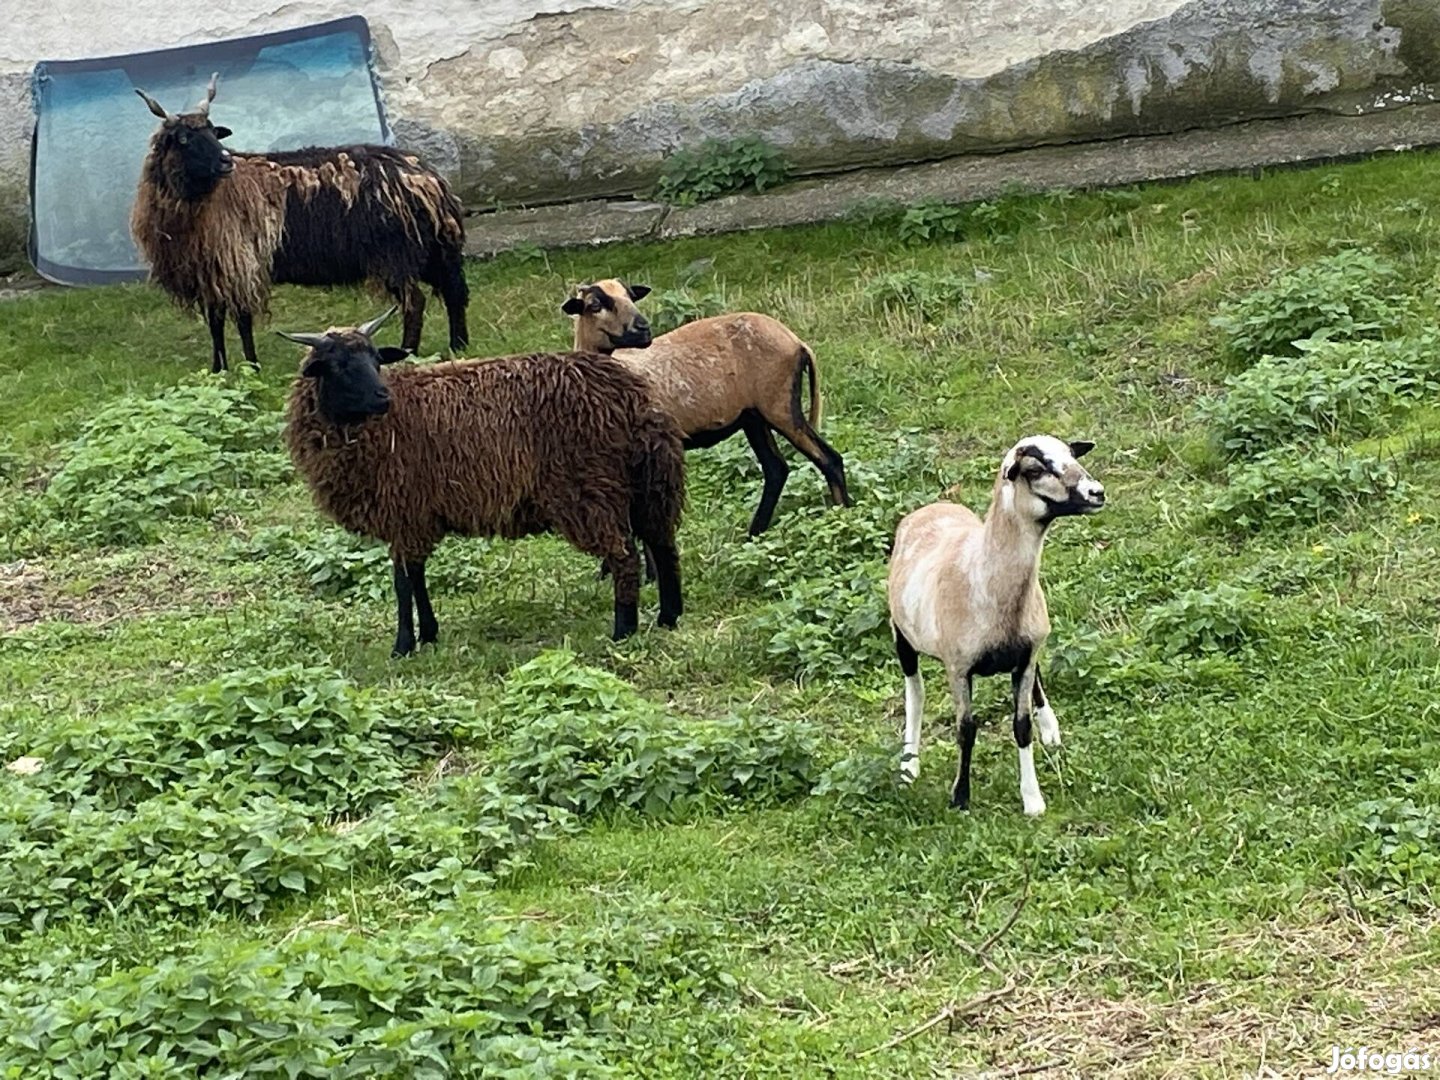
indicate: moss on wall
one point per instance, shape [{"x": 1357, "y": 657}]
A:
[{"x": 1419, "y": 25}]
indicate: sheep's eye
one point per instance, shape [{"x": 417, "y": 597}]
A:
[
  {"x": 184, "y": 140},
  {"x": 594, "y": 307}
]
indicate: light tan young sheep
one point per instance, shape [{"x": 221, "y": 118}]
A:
[
  {"x": 967, "y": 592},
  {"x": 740, "y": 372}
]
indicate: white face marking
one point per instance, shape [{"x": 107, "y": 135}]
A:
[
  {"x": 1030, "y": 796},
  {"x": 1051, "y": 447},
  {"x": 1048, "y": 725},
  {"x": 914, "y": 715},
  {"x": 1055, "y": 451}
]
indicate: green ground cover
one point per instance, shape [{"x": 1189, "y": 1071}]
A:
[{"x": 258, "y": 846}]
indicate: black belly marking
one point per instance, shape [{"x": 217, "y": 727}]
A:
[
  {"x": 703, "y": 440},
  {"x": 1007, "y": 657}
]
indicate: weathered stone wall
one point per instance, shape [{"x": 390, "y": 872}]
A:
[{"x": 539, "y": 100}]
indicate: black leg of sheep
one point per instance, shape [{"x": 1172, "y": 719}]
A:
[
  {"x": 245, "y": 324},
  {"x": 667, "y": 565},
  {"x": 411, "y": 594},
  {"x": 604, "y": 571},
  {"x": 215, "y": 316},
  {"x": 429, "y": 628},
  {"x": 625, "y": 569}
]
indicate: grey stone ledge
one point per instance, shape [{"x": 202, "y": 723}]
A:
[
  {"x": 596, "y": 221},
  {"x": 1252, "y": 144}
]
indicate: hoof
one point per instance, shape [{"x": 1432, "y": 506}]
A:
[
  {"x": 1035, "y": 809},
  {"x": 626, "y": 623},
  {"x": 909, "y": 770},
  {"x": 1048, "y": 726}
]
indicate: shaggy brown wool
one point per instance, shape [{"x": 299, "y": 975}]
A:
[
  {"x": 216, "y": 252},
  {"x": 567, "y": 443},
  {"x": 219, "y": 251},
  {"x": 219, "y": 228}
]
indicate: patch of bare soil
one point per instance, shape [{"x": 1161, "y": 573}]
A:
[
  {"x": 1298, "y": 991},
  {"x": 29, "y": 595},
  {"x": 14, "y": 286}
]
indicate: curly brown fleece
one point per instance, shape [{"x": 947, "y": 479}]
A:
[
  {"x": 219, "y": 228},
  {"x": 566, "y": 443},
  {"x": 218, "y": 251},
  {"x": 221, "y": 250}
]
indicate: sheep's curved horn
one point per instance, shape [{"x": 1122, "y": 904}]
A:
[
  {"x": 155, "y": 106},
  {"x": 203, "y": 109},
  {"x": 369, "y": 328},
  {"x": 312, "y": 340}
]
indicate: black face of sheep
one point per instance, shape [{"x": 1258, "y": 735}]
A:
[
  {"x": 188, "y": 147},
  {"x": 347, "y": 367}
]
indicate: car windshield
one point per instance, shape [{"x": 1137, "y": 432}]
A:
[{"x": 312, "y": 86}]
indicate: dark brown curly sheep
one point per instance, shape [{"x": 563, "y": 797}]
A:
[
  {"x": 219, "y": 228},
  {"x": 567, "y": 443}
]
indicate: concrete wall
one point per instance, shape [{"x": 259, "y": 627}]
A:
[{"x": 541, "y": 100}]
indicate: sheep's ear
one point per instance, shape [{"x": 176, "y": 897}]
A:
[
  {"x": 222, "y": 132},
  {"x": 314, "y": 368},
  {"x": 1081, "y": 448},
  {"x": 638, "y": 292},
  {"x": 390, "y": 354},
  {"x": 1013, "y": 471},
  {"x": 573, "y": 306}
]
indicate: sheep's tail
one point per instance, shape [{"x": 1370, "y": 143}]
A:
[
  {"x": 657, "y": 477},
  {"x": 816, "y": 403}
]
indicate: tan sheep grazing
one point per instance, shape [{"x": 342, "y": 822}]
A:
[
  {"x": 967, "y": 591},
  {"x": 740, "y": 372}
]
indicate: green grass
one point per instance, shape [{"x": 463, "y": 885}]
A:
[{"x": 1238, "y": 862}]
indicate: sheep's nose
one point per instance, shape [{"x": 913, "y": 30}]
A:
[{"x": 1097, "y": 493}]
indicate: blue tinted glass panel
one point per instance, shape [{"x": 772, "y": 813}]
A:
[{"x": 313, "y": 86}]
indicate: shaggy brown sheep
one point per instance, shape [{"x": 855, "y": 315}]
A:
[
  {"x": 566, "y": 443},
  {"x": 740, "y": 372},
  {"x": 218, "y": 228}
]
